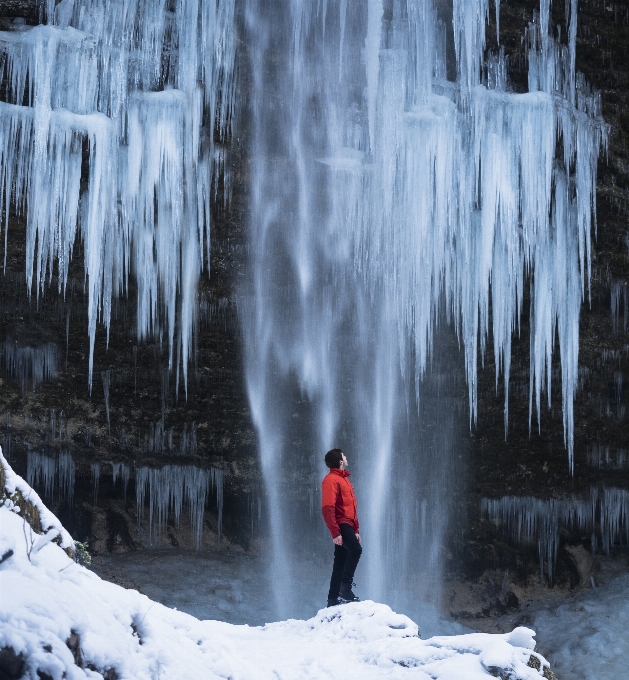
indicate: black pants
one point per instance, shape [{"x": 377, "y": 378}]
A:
[{"x": 346, "y": 558}]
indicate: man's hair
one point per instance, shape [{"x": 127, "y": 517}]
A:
[{"x": 333, "y": 458}]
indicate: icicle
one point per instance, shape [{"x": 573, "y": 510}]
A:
[
  {"x": 53, "y": 424},
  {"x": 146, "y": 89},
  {"x": 105, "y": 375},
  {"x": 67, "y": 476},
  {"x": 619, "y": 300},
  {"x": 169, "y": 488},
  {"x": 30, "y": 365},
  {"x": 530, "y": 520},
  {"x": 7, "y": 444},
  {"x": 95, "y": 473},
  {"x": 42, "y": 470},
  {"x": 218, "y": 481}
]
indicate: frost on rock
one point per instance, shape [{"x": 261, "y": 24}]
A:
[
  {"x": 138, "y": 90},
  {"x": 66, "y": 622}
]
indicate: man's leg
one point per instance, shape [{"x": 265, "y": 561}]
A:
[
  {"x": 340, "y": 557},
  {"x": 354, "y": 551}
]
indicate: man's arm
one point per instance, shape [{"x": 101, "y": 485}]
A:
[{"x": 328, "y": 509}]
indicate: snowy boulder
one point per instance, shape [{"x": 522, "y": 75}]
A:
[{"x": 59, "y": 620}]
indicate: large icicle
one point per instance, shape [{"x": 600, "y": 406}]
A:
[{"x": 143, "y": 89}]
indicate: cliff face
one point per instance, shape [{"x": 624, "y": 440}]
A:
[
  {"x": 138, "y": 413},
  {"x": 531, "y": 464}
]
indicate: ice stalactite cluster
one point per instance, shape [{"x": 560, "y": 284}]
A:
[
  {"x": 170, "y": 488},
  {"x": 54, "y": 475},
  {"x": 30, "y": 365},
  {"x": 620, "y": 306},
  {"x": 528, "y": 521},
  {"x": 397, "y": 179},
  {"x": 121, "y": 470},
  {"x": 95, "y": 475},
  {"x": 606, "y": 457},
  {"x": 136, "y": 92}
]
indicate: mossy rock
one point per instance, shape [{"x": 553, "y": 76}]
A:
[
  {"x": 29, "y": 512},
  {"x": 535, "y": 663}
]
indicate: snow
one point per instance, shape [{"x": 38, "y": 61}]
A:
[{"x": 49, "y": 603}]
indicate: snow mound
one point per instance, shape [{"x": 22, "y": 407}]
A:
[{"x": 60, "y": 620}]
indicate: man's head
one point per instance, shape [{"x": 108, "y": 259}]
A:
[{"x": 335, "y": 458}]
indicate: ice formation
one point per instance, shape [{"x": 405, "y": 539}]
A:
[
  {"x": 95, "y": 475},
  {"x": 526, "y": 521},
  {"x": 123, "y": 471},
  {"x": 600, "y": 456},
  {"x": 41, "y": 470},
  {"x": 106, "y": 376},
  {"x": 172, "y": 486},
  {"x": 139, "y": 91},
  {"x": 67, "y": 477},
  {"x": 53, "y": 475},
  {"x": 620, "y": 305},
  {"x": 30, "y": 365},
  {"x": 386, "y": 198}
]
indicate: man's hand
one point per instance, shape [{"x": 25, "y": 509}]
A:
[
  {"x": 338, "y": 540},
  {"x": 358, "y": 537}
]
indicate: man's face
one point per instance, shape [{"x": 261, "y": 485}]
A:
[{"x": 344, "y": 464}]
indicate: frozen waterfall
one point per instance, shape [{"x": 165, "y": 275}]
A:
[
  {"x": 386, "y": 198},
  {"x": 137, "y": 91}
]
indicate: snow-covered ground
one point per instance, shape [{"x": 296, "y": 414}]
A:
[{"x": 64, "y": 621}]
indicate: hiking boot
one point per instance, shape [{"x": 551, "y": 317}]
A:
[
  {"x": 335, "y": 601},
  {"x": 346, "y": 593}
]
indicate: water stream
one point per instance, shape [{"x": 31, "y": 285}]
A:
[{"x": 391, "y": 192}]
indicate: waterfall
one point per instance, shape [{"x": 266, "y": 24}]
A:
[
  {"x": 107, "y": 133},
  {"x": 389, "y": 191}
]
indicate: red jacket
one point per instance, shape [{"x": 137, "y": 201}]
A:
[{"x": 338, "y": 503}]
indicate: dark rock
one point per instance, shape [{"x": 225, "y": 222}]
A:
[
  {"x": 11, "y": 664},
  {"x": 74, "y": 645}
]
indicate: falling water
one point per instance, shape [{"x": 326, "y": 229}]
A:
[{"x": 384, "y": 197}]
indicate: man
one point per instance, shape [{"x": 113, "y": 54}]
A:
[{"x": 338, "y": 505}]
